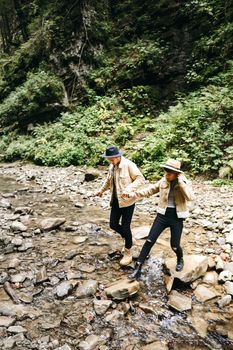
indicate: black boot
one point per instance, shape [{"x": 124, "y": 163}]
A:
[
  {"x": 180, "y": 264},
  {"x": 135, "y": 275}
]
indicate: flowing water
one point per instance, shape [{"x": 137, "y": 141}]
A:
[{"x": 70, "y": 319}]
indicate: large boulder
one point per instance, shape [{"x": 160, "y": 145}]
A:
[
  {"x": 122, "y": 289},
  {"x": 195, "y": 266}
]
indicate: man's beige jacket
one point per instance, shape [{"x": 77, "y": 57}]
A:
[
  {"x": 182, "y": 194},
  {"x": 128, "y": 179}
]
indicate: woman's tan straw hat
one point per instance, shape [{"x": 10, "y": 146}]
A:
[{"x": 172, "y": 164}]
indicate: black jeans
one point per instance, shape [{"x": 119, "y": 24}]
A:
[
  {"x": 125, "y": 214},
  {"x": 161, "y": 222}
]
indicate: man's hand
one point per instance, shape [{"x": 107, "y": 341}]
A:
[
  {"x": 99, "y": 194},
  {"x": 127, "y": 195}
]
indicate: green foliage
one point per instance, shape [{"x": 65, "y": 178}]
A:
[
  {"x": 129, "y": 63},
  {"x": 39, "y": 90},
  {"x": 198, "y": 130},
  {"x": 221, "y": 182}
]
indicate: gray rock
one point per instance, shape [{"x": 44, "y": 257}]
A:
[
  {"x": 17, "y": 329},
  {"x": 88, "y": 288},
  {"x": 229, "y": 287},
  {"x": 10, "y": 342},
  {"x": 5, "y": 204},
  {"x": 25, "y": 246},
  {"x": 224, "y": 301},
  {"x": 6, "y": 321},
  {"x": 225, "y": 276},
  {"x": 157, "y": 345},
  {"x": 51, "y": 223},
  {"x": 79, "y": 239},
  {"x": 141, "y": 231},
  {"x": 17, "y": 242},
  {"x": 42, "y": 276},
  {"x": 18, "y": 226},
  {"x": 64, "y": 347},
  {"x": 64, "y": 289},
  {"x": 18, "y": 278},
  {"x": 101, "y": 306},
  {"x": 91, "y": 342}
]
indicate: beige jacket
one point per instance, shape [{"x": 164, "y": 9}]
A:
[
  {"x": 182, "y": 194},
  {"x": 128, "y": 179}
]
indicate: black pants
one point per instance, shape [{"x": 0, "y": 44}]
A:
[
  {"x": 161, "y": 222},
  {"x": 125, "y": 214}
]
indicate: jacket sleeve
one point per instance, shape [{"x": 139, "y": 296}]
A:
[
  {"x": 106, "y": 184},
  {"x": 186, "y": 188},
  {"x": 136, "y": 176},
  {"x": 147, "y": 191}
]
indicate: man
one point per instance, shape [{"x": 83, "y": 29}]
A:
[
  {"x": 123, "y": 177},
  {"x": 174, "y": 193}
]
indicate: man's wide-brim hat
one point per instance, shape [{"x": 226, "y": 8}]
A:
[
  {"x": 111, "y": 152},
  {"x": 172, "y": 164}
]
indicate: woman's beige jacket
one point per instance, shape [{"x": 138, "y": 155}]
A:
[
  {"x": 128, "y": 179},
  {"x": 182, "y": 194}
]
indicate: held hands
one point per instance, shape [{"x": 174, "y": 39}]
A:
[{"x": 99, "y": 194}]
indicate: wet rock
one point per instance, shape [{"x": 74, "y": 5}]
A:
[
  {"x": 229, "y": 287},
  {"x": 122, "y": 289},
  {"x": 101, "y": 306},
  {"x": 64, "y": 289},
  {"x": 203, "y": 293},
  {"x": 147, "y": 308},
  {"x": 6, "y": 321},
  {"x": 91, "y": 342},
  {"x": 18, "y": 226},
  {"x": 225, "y": 276},
  {"x": 195, "y": 266},
  {"x": 41, "y": 276},
  {"x": 51, "y": 223},
  {"x": 88, "y": 288},
  {"x": 224, "y": 301},
  {"x": 17, "y": 329},
  {"x": 179, "y": 301}
]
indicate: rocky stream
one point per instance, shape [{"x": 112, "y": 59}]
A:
[{"x": 60, "y": 290}]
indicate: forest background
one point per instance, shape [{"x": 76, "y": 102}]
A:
[{"x": 153, "y": 77}]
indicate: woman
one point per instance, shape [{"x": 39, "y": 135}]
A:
[{"x": 174, "y": 192}]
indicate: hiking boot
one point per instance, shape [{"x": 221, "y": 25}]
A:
[
  {"x": 135, "y": 275},
  {"x": 180, "y": 264},
  {"x": 134, "y": 242},
  {"x": 127, "y": 258}
]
